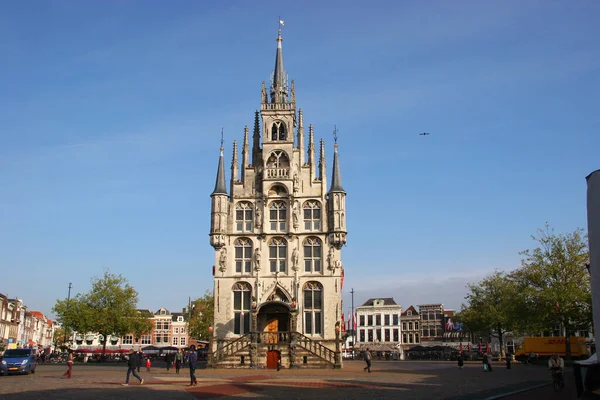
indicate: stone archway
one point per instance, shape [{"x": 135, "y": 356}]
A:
[{"x": 273, "y": 322}]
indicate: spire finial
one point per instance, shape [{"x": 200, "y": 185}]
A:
[
  {"x": 279, "y": 30},
  {"x": 335, "y": 131},
  {"x": 221, "y": 138}
]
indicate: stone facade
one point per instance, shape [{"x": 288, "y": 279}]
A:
[{"x": 277, "y": 230}]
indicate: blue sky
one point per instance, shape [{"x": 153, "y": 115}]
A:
[{"x": 111, "y": 112}]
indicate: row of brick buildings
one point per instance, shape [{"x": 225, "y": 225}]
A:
[
  {"x": 168, "y": 330},
  {"x": 20, "y": 327},
  {"x": 381, "y": 324}
]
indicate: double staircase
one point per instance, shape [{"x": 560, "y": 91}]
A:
[{"x": 296, "y": 351}]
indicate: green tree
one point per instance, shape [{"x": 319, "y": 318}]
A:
[
  {"x": 202, "y": 315},
  {"x": 109, "y": 309},
  {"x": 555, "y": 283},
  {"x": 491, "y": 307},
  {"x": 61, "y": 337}
]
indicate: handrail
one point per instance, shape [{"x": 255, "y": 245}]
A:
[
  {"x": 231, "y": 348},
  {"x": 315, "y": 348}
]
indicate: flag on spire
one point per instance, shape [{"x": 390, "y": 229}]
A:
[{"x": 281, "y": 22}]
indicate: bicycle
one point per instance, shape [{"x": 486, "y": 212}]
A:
[{"x": 558, "y": 381}]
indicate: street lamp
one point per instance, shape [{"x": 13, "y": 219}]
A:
[{"x": 68, "y": 301}]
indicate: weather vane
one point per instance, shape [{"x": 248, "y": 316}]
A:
[
  {"x": 221, "y": 136},
  {"x": 335, "y": 131}
]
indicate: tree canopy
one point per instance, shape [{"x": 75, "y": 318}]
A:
[
  {"x": 555, "y": 283},
  {"x": 550, "y": 290},
  {"x": 109, "y": 308},
  {"x": 202, "y": 315}
]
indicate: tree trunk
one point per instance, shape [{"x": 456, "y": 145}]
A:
[
  {"x": 102, "y": 357},
  {"x": 501, "y": 340},
  {"x": 567, "y": 343}
]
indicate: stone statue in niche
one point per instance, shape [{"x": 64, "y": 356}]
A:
[
  {"x": 223, "y": 260},
  {"x": 330, "y": 259},
  {"x": 296, "y": 183},
  {"x": 258, "y": 217},
  {"x": 295, "y": 259},
  {"x": 256, "y": 259},
  {"x": 296, "y": 216}
]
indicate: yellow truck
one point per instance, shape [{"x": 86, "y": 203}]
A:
[{"x": 534, "y": 348}]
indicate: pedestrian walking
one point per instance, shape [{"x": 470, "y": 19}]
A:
[
  {"x": 178, "y": 360},
  {"x": 148, "y": 364},
  {"x": 69, "y": 365},
  {"x": 132, "y": 365},
  {"x": 461, "y": 361},
  {"x": 140, "y": 355},
  {"x": 168, "y": 360},
  {"x": 367, "y": 357},
  {"x": 487, "y": 365},
  {"x": 508, "y": 360},
  {"x": 192, "y": 359}
]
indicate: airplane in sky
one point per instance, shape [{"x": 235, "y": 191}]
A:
[{"x": 424, "y": 133}]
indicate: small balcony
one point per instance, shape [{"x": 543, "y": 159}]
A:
[{"x": 277, "y": 173}]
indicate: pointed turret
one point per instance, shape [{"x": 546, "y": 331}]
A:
[
  {"x": 220, "y": 185},
  {"x": 256, "y": 140},
  {"x": 279, "y": 84},
  {"x": 311, "y": 152},
  {"x": 234, "y": 166},
  {"x": 322, "y": 160},
  {"x": 336, "y": 176},
  {"x": 245, "y": 154},
  {"x": 219, "y": 206},
  {"x": 336, "y": 203},
  {"x": 301, "y": 137}
]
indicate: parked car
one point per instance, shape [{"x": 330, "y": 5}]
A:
[{"x": 18, "y": 361}]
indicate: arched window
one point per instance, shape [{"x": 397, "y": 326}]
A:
[
  {"x": 278, "y": 255},
  {"x": 243, "y": 216},
  {"x": 278, "y": 216},
  {"x": 278, "y": 131},
  {"x": 243, "y": 256},
  {"x": 313, "y": 308},
  {"x": 242, "y": 298},
  {"x": 312, "y": 215},
  {"x": 312, "y": 255}
]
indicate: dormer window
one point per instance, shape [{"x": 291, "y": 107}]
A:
[
  {"x": 180, "y": 319},
  {"x": 278, "y": 131},
  {"x": 409, "y": 313}
]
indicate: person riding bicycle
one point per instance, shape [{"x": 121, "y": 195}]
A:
[{"x": 556, "y": 364}]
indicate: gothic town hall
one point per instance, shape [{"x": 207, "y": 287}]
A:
[{"x": 278, "y": 230}]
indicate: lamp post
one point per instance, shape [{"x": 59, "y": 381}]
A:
[
  {"x": 338, "y": 358},
  {"x": 68, "y": 302},
  {"x": 210, "y": 357}
]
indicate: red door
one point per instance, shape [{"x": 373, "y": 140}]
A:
[{"x": 272, "y": 358}]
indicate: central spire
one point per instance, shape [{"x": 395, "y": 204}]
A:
[{"x": 279, "y": 83}]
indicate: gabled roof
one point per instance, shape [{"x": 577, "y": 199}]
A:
[
  {"x": 178, "y": 314},
  {"x": 387, "y": 301},
  {"x": 411, "y": 308}
]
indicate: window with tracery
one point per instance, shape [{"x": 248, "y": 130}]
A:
[
  {"x": 244, "y": 213},
  {"x": 312, "y": 255},
  {"x": 278, "y": 255},
  {"x": 278, "y": 159},
  {"x": 242, "y": 299},
  {"x": 313, "y": 308},
  {"x": 278, "y": 131},
  {"x": 278, "y": 216},
  {"x": 312, "y": 215},
  {"x": 243, "y": 256}
]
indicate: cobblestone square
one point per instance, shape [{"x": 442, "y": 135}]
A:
[{"x": 389, "y": 380}]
